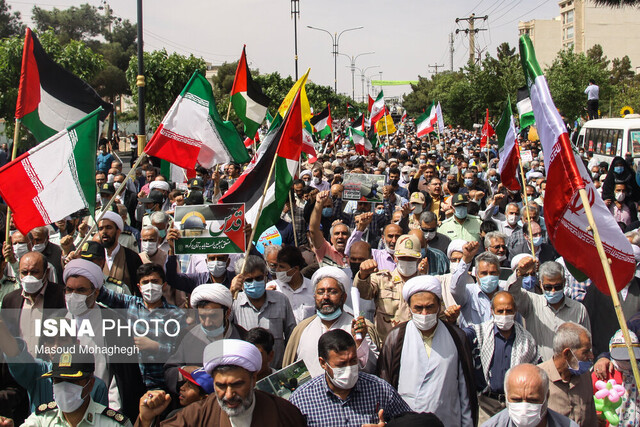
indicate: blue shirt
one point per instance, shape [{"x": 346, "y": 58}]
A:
[{"x": 321, "y": 407}]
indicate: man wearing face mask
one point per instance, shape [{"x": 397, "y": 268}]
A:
[
  {"x": 435, "y": 239},
  {"x": 163, "y": 222},
  {"x": 73, "y": 379},
  {"x": 496, "y": 243},
  {"x": 37, "y": 293},
  {"x": 417, "y": 201},
  {"x": 461, "y": 225},
  {"x": 323, "y": 400},
  {"x": 498, "y": 344},
  {"x": 512, "y": 216},
  {"x": 475, "y": 298},
  {"x": 544, "y": 251},
  {"x": 290, "y": 281},
  {"x": 332, "y": 287},
  {"x": 570, "y": 389},
  {"x": 152, "y": 307},
  {"x": 527, "y": 390},
  {"x": 429, "y": 361},
  {"x": 39, "y": 238},
  {"x": 150, "y": 253},
  {"x": 148, "y": 205},
  {"x": 317, "y": 182},
  {"x": 544, "y": 313},
  {"x": 12, "y": 253},
  {"x": 384, "y": 287},
  {"x": 213, "y": 303},
  {"x": 255, "y": 306}
]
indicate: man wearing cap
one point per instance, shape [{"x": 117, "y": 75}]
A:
[
  {"x": 417, "y": 201},
  {"x": 429, "y": 361},
  {"x": 461, "y": 225},
  {"x": 72, "y": 383},
  {"x": 233, "y": 365},
  {"x": 332, "y": 288},
  {"x": 385, "y": 287},
  {"x": 121, "y": 263},
  {"x": 213, "y": 303},
  {"x": 148, "y": 205}
]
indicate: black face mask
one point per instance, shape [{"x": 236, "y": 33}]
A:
[
  {"x": 355, "y": 267},
  {"x": 393, "y": 182}
]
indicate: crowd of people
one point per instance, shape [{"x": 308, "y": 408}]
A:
[{"x": 467, "y": 314}]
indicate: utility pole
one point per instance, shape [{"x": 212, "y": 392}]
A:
[
  {"x": 451, "y": 51},
  {"x": 471, "y": 32},
  {"x": 436, "y": 66},
  {"x": 295, "y": 14}
]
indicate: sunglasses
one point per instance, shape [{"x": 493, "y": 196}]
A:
[{"x": 550, "y": 288}]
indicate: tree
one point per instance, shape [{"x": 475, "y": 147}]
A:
[
  {"x": 75, "y": 23},
  {"x": 165, "y": 77},
  {"x": 10, "y": 23}
]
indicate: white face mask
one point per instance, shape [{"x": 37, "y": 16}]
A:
[
  {"x": 31, "y": 284},
  {"x": 453, "y": 266},
  {"x": 417, "y": 209},
  {"x": 68, "y": 396},
  {"x": 76, "y": 303},
  {"x": 149, "y": 247},
  {"x": 512, "y": 219},
  {"x": 620, "y": 197},
  {"x": 217, "y": 268},
  {"x": 345, "y": 378},
  {"x": 407, "y": 268},
  {"x": 502, "y": 257},
  {"x": 151, "y": 292},
  {"x": 429, "y": 235},
  {"x": 283, "y": 277},
  {"x": 39, "y": 247},
  {"x": 117, "y": 185},
  {"x": 110, "y": 178},
  {"x": 525, "y": 414},
  {"x": 389, "y": 250},
  {"x": 504, "y": 322},
  {"x": 317, "y": 180},
  {"x": 424, "y": 322},
  {"x": 20, "y": 249}
]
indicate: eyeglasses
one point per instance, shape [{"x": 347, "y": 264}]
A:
[
  {"x": 251, "y": 279},
  {"x": 498, "y": 247},
  {"x": 551, "y": 288},
  {"x": 429, "y": 230}
]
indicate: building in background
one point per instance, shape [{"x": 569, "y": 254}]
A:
[{"x": 545, "y": 35}]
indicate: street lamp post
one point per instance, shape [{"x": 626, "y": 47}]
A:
[
  {"x": 142, "y": 133},
  {"x": 362, "y": 77},
  {"x": 295, "y": 14},
  {"x": 369, "y": 85},
  {"x": 352, "y": 60},
  {"x": 335, "y": 40}
]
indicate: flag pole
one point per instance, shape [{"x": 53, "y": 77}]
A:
[
  {"x": 293, "y": 220},
  {"x": 386, "y": 128},
  {"x": 228, "y": 110},
  {"x": 119, "y": 191},
  {"x": 14, "y": 152},
  {"x": 525, "y": 203},
  {"x": 606, "y": 266}
]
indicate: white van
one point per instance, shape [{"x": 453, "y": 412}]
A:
[{"x": 608, "y": 138}]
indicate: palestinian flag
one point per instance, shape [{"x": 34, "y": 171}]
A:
[
  {"x": 525, "y": 110},
  {"x": 192, "y": 131},
  {"x": 352, "y": 111},
  {"x": 361, "y": 142},
  {"x": 564, "y": 213},
  {"x": 371, "y": 101},
  {"x": 322, "y": 123},
  {"x": 269, "y": 119},
  {"x": 55, "y": 178},
  {"x": 487, "y": 131},
  {"x": 508, "y": 150},
  {"x": 378, "y": 109},
  {"x": 248, "y": 101},
  {"x": 424, "y": 123},
  {"x": 50, "y": 98},
  {"x": 174, "y": 173},
  {"x": 359, "y": 123},
  {"x": 282, "y": 145}
]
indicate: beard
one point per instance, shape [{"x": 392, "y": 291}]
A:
[
  {"x": 328, "y": 309},
  {"x": 244, "y": 405}
]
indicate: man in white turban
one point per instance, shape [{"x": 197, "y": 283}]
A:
[
  {"x": 233, "y": 364},
  {"x": 429, "y": 361}
]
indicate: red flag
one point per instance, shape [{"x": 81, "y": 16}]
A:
[
  {"x": 487, "y": 131},
  {"x": 371, "y": 101}
]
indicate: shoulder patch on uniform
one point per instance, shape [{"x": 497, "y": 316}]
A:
[
  {"x": 113, "y": 280},
  {"x": 46, "y": 407},
  {"x": 10, "y": 279},
  {"x": 126, "y": 232},
  {"x": 115, "y": 415}
]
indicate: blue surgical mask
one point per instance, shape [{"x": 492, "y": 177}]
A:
[
  {"x": 493, "y": 178},
  {"x": 327, "y": 212},
  {"x": 537, "y": 241},
  {"x": 148, "y": 211},
  {"x": 582, "y": 366},
  {"x": 553, "y": 297},
  {"x": 329, "y": 317},
  {"x": 461, "y": 212},
  {"x": 468, "y": 182},
  {"x": 162, "y": 233},
  {"x": 255, "y": 289},
  {"x": 380, "y": 211},
  {"x": 529, "y": 283},
  {"x": 212, "y": 333},
  {"x": 423, "y": 252},
  {"x": 489, "y": 284},
  {"x": 618, "y": 169}
]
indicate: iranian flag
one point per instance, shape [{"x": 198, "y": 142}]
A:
[
  {"x": 439, "y": 118},
  {"x": 487, "y": 131},
  {"x": 564, "y": 213},
  {"x": 55, "y": 178},
  {"x": 424, "y": 123},
  {"x": 322, "y": 123},
  {"x": 377, "y": 109},
  {"x": 248, "y": 101},
  {"x": 361, "y": 142},
  {"x": 308, "y": 144},
  {"x": 192, "y": 131},
  {"x": 404, "y": 117},
  {"x": 281, "y": 148},
  {"x": 508, "y": 150},
  {"x": 50, "y": 98},
  {"x": 174, "y": 173}
]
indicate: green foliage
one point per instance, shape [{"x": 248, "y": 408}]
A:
[
  {"x": 165, "y": 77},
  {"x": 10, "y": 23},
  {"x": 75, "y": 23}
]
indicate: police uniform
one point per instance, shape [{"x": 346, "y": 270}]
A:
[
  {"x": 469, "y": 230},
  {"x": 115, "y": 285},
  {"x": 8, "y": 284},
  {"x": 128, "y": 240},
  {"x": 50, "y": 415}
]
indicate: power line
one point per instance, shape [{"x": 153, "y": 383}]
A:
[
  {"x": 508, "y": 10},
  {"x": 524, "y": 14},
  {"x": 489, "y": 12},
  {"x": 475, "y": 7}
]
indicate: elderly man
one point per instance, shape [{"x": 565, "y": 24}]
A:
[
  {"x": 383, "y": 257},
  {"x": 385, "y": 287},
  {"x": 496, "y": 243},
  {"x": 527, "y": 390},
  {"x": 498, "y": 344},
  {"x": 39, "y": 238},
  {"x": 544, "y": 313},
  {"x": 23, "y": 307},
  {"x": 461, "y": 225},
  {"x": 122, "y": 263},
  {"x": 429, "y": 361},
  {"x": 256, "y": 306},
  {"x": 150, "y": 251},
  {"x": 328, "y": 254},
  {"x": 437, "y": 261},
  {"x": 571, "y": 390},
  {"x": 343, "y": 395},
  {"x": 331, "y": 286},
  {"x": 233, "y": 364},
  {"x": 429, "y": 226}
]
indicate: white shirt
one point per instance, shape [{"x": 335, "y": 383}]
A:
[
  {"x": 593, "y": 92},
  {"x": 302, "y": 300},
  {"x": 111, "y": 257}
]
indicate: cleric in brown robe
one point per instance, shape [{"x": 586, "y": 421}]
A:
[{"x": 233, "y": 364}]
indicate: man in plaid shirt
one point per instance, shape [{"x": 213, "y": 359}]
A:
[{"x": 154, "y": 309}]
